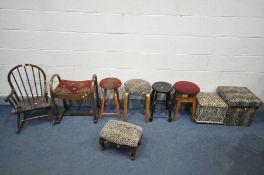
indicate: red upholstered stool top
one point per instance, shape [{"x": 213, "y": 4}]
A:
[
  {"x": 110, "y": 83},
  {"x": 186, "y": 87},
  {"x": 73, "y": 87}
]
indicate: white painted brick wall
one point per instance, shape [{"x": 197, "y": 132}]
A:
[{"x": 210, "y": 42}]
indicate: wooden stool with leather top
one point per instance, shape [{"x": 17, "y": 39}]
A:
[
  {"x": 70, "y": 90},
  {"x": 108, "y": 84}
]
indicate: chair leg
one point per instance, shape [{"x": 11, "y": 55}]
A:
[
  {"x": 126, "y": 97},
  {"x": 19, "y": 126},
  {"x": 117, "y": 103},
  {"x": 147, "y": 107},
  {"x": 103, "y": 103}
]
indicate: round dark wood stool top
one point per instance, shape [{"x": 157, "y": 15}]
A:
[
  {"x": 162, "y": 87},
  {"x": 186, "y": 87},
  {"x": 110, "y": 83}
]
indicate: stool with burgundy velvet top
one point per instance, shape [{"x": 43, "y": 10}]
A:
[
  {"x": 69, "y": 90},
  {"x": 185, "y": 92},
  {"x": 110, "y": 84},
  {"x": 160, "y": 88}
]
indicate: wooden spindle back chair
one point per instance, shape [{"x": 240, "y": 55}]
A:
[{"x": 28, "y": 92}]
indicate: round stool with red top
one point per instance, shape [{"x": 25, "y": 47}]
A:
[
  {"x": 185, "y": 92},
  {"x": 110, "y": 84}
]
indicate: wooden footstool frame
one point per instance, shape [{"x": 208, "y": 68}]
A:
[
  {"x": 132, "y": 149},
  {"x": 93, "y": 94}
]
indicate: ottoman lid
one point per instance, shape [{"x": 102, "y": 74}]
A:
[
  {"x": 210, "y": 99},
  {"x": 121, "y": 133},
  {"x": 137, "y": 86},
  {"x": 238, "y": 96}
]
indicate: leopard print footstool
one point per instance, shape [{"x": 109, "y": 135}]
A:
[
  {"x": 210, "y": 108},
  {"x": 242, "y": 105},
  {"x": 121, "y": 134}
]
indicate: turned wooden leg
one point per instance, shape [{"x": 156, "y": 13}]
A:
[
  {"x": 125, "y": 105},
  {"x": 102, "y": 143},
  {"x": 133, "y": 153},
  {"x": 193, "y": 108},
  {"x": 104, "y": 93},
  {"x": 117, "y": 103},
  {"x": 147, "y": 107}
]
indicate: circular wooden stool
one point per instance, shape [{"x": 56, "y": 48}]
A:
[
  {"x": 110, "y": 84},
  {"x": 161, "y": 88},
  {"x": 185, "y": 92}
]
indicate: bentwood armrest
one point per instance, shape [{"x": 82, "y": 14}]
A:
[
  {"x": 11, "y": 99},
  {"x": 51, "y": 82}
]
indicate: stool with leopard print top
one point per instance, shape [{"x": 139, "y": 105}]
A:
[
  {"x": 137, "y": 87},
  {"x": 121, "y": 134}
]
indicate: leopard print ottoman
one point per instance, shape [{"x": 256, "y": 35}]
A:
[
  {"x": 121, "y": 134},
  {"x": 210, "y": 108},
  {"x": 242, "y": 105}
]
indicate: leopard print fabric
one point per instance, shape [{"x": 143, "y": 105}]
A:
[
  {"x": 242, "y": 105},
  {"x": 210, "y": 108},
  {"x": 238, "y": 96},
  {"x": 121, "y": 133},
  {"x": 239, "y": 116},
  {"x": 137, "y": 87}
]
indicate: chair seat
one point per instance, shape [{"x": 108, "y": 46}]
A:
[
  {"x": 110, "y": 83},
  {"x": 121, "y": 133},
  {"x": 31, "y": 104},
  {"x": 69, "y": 87},
  {"x": 186, "y": 87},
  {"x": 137, "y": 87}
]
